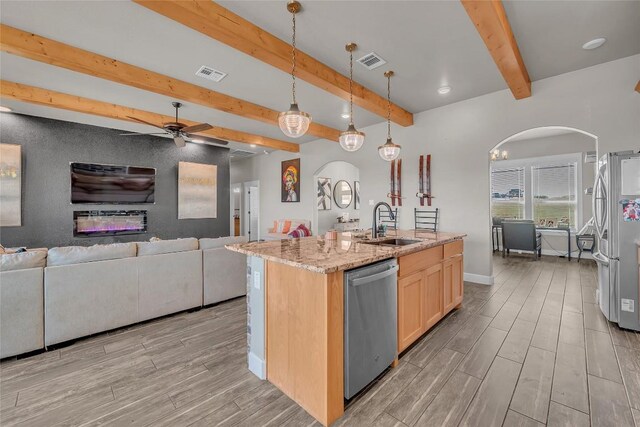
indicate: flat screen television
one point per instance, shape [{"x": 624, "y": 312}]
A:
[{"x": 110, "y": 184}]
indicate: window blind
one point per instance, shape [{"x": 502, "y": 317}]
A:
[{"x": 507, "y": 193}]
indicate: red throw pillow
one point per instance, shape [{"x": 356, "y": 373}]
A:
[{"x": 301, "y": 231}]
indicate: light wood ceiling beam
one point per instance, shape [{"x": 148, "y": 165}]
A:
[
  {"x": 42, "y": 49},
  {"x": 49, "y": 98},
  {"x": 638, "y": 86},
  {"x": 221, "y": 24},
  {"x": 491, "y": 22}
]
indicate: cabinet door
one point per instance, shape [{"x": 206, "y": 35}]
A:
[
  {"x": 457, "y": 279},
  {"x": 410, "y": 309},
  {"x": 433, "y": 301},
  {"x": 448, "y": 287}
]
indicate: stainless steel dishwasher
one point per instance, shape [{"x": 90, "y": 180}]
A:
[{"x": 370, "y": 323}]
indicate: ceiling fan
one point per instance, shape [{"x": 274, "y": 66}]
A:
[{"x": 180, "y": 132}]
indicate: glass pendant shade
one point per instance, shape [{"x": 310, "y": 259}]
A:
[
  {"x": 351, "y": 139},
  {"x": 389, "y": 151},
  {"x": 294, "y": 123}
]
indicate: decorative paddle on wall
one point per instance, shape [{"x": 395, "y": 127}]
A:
[
  {"x": 395, "y": 192},
  {"x": 424, "y": 181}
]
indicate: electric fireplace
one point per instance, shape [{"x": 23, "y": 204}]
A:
[{"x": 109, "y": 223}]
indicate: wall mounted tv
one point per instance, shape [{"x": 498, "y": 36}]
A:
[{"x": 110, "y": 184}]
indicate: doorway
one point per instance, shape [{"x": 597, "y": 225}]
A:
[
  {"x": 236, "y": 209},
  {"x": 250, "y": 224}
]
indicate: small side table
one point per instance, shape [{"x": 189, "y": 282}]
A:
[{"x": 585, "y": 243}]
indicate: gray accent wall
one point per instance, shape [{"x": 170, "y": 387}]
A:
[{"x": 48, "y": 146}]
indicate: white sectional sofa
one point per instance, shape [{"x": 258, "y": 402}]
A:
[
  {"x": 221, "y": 284},
  {"x": 87, "y": 290},
  {"x": 21, "y": 302},
  {"x": 169, "y": 277}
]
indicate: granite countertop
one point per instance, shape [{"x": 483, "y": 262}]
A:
[{"x": 348, "y": 251}]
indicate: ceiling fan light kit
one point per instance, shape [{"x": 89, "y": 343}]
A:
[
  {"x": 180, "y": 132},
  {"x": 351, "y": 139},
  {"x": 389, "y": 151},
  {"x": 293, "y": 122}
]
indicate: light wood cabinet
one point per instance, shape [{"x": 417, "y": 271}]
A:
[
  {"x": 453, "y": 283},
  {"x": 430, "y": 285},
  {"x": 434, "y": 310},
  {"x": 411, "y": 301}
]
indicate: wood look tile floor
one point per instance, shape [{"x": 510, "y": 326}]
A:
[{"x": 531, "y": 350}]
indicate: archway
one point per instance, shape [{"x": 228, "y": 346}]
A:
[
  {"x": 327, "y": 209},
  {"x": 543, "y": 174}
]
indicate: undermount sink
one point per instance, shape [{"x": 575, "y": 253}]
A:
[{"x": 393, "y": 242}]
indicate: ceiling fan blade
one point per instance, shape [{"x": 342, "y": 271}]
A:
[
  {"x": 197, "y": 128},
  {"x": 180, "y": 142},
  {"x": 200, "y": 138},
  {"x": 146, "y": 123},
  {"x": 138, "y": 134}
]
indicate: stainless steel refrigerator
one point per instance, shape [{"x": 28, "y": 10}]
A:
[{"x": 616, "y": 197}]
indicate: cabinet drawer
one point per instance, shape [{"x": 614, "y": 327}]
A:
[
  {"x": 453, "y": 248},
  {"x": 420, "y": 260}
]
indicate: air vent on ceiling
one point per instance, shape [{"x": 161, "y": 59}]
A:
[
  {"x": 371, "y": 61},
  {"x": 240, "y": 154},
  {"x": 210, "y": 73}
]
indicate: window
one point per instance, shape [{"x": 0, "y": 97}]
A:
[
  {"x": 544, "y": 189},
  {"x": 507, "y": 193},
  {"x": 554, "y": 189}
]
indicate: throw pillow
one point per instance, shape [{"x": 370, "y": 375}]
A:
[{"x": 301, "y": 231}]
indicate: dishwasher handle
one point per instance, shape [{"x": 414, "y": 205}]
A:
[{"x": 368, "y": 279}]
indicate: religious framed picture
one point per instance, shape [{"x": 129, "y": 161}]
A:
[
  {"x": 324, "y": 194},
  {"x": 10, "y": 185},
  {"x": 290, "y": 181},
  {"x": 197, "y": 190}
]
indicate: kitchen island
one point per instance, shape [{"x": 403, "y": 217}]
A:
[{"x": 301, "y": 313}]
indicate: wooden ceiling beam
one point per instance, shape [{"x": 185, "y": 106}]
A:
[
  {"x": 638, "y": 86},
  {"x": 42, "y": 49},
  {"x": 491, "y": 22},
  {"x": 213, "y": 20},
  {"x": 49, "y": 98}
]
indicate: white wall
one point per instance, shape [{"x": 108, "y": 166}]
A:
[
  {"x": 336, "y": 171},
  {"x": 599, "y": 100}
]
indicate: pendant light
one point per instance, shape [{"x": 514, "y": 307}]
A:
[
  {"x": 294, "y": 123},
  {"x": 389, "y": 151},
  {"x": 351, "y": 139}
]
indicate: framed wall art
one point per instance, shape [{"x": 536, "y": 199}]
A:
[
  {"x": 197, "y": 190},
  {"x": 324, "y": 194},
  {"x": 290, "y": 181},
  {"x": 10, "y": 185}
]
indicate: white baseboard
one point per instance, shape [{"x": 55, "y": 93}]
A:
[
  {"x": 257, "y": 366},
  {"x": 478, "y": 278}
]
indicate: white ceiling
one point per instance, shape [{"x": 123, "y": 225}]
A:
[{"x": 427, "y": 43}]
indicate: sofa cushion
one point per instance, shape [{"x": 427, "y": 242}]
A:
[
  {"x": 79, "y": 254},
  {"x": 167, "y": 246},
  {"x": 221, "y": 242},
  {"x": 23, "y": 260}
]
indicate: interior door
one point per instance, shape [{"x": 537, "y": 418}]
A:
[{"x": 254, "y": 213}]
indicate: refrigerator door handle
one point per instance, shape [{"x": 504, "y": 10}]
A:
[
  {"x": 599, "y": 216},
  {"x": 597, "y": 255}
]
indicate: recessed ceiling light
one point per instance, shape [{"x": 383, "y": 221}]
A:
[
  {"x": 5, "y": 109},
  {"x": 444, "y": 90},
  {"x": 594, "y": 44},
  {"x": 253, "y": 146},
  {"x": 199, "y": 141},
  {"x": 345, "y": 115}
]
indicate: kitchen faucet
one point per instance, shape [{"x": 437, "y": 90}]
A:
[{"x": 374, "y": 228}]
